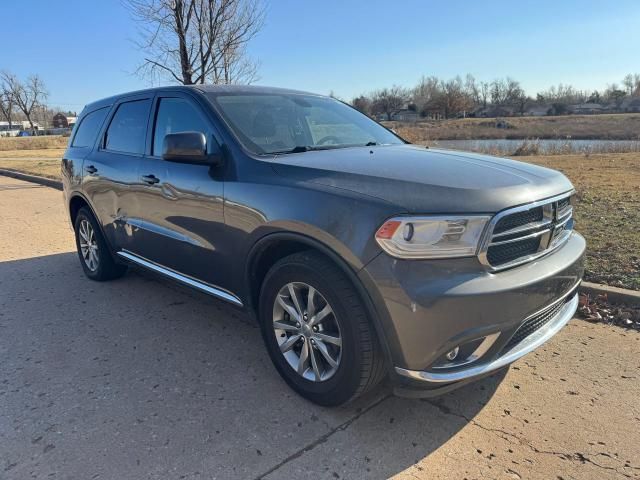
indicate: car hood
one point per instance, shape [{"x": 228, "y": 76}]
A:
[{"x": 423, "y": 180}]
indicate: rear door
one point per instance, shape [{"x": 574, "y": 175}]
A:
[
  {"x": 111, "y": 172},
  {"x": 183, "y": 208}
]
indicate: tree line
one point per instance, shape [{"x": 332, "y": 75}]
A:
[{"x": 463, "y": 96}]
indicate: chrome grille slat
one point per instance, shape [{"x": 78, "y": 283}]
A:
[
  {"x": 519, "y": 239},
  {"x": 521, "y": 234}
]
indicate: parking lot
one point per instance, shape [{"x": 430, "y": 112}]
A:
[{"x": 141, "y": 378}]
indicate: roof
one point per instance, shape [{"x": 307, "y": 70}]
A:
[
  {"x": 588, "y": 105},
  {"x": 255, "y": 89}
]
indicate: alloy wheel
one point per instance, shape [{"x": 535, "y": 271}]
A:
[
  {"x": 307, "y": 331},
  {"x": 88, "y": 245}
]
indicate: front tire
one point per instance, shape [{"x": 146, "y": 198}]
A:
[
  {"x": 316, "y": 330},
  {"x": 94, "y": 254}
]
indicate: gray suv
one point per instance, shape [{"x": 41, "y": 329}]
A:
[{"x": 361, "y": 256}]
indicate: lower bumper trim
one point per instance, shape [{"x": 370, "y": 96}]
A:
[{"x": 527, "y": 345}]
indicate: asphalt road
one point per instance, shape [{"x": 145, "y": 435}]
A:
[{"x": 140, "y": 378}]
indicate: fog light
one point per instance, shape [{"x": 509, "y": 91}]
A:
[
  {"x": 465, "y": 353},
  {"x": 451, "y": 356}
]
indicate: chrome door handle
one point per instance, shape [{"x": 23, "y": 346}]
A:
[{"x": 150, "y": 179}]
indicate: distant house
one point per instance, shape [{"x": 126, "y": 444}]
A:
[
  {"x": 495, "y": 111},
  {"x": 12, "y": 130},
  {"x": 432, "y": 113},
  {"x": 405, "y": 116},
  {"x": 630, "y": 105},
  {"x": 587, "y": 108},
  {"x": 60, "y": 121},
  {"x": 536, "y": 111}
]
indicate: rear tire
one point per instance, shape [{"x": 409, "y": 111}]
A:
[
  {"x": 95, "y": 257},
  {"x": 354, "y": 363}
]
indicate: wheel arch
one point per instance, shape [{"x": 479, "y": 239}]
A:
[
  {"x": 78, "y": 201},
  {"x": 274, "y": 246}
]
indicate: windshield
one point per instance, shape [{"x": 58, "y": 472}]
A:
[{"x": 289, "y": 123}]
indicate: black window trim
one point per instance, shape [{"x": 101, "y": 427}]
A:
[{"x": 76, "y": 127}]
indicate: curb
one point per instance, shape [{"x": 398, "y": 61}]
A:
[
  {"x": 614, "y": 294},
  {"x": 48, "y": 182}
]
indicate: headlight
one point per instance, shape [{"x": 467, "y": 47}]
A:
[{"x": 444, "y": 236}]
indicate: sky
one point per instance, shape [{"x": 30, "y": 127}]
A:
[{"x": 85, "y": 50}]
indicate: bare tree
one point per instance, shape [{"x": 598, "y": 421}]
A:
[
  {"x": 198, "y": 41},
  {"x": 7, "y": 102},
  {"x": 628, "y": 83},
  {"x": 390, "y": 100},
  {"x": 453, "y": 99},
  {"x": 362, "y": 104},
  {"x": 424, "y": 94},
  {"x": 29, "y": 96},
  {"x": 631, "y": 84},
  {"x": 472, "y": 88},
  {"x": 485, "y": 90},
  {"x": 505, "y": 91}
]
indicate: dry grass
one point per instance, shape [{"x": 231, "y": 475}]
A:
[
  {"x": 44, "y": 167},
  {"x": 607, "y": 212},
  {"x": 589, "y": 127},
  {"x": 607, "y": 209},
  {"x": 33, "y": 143},
  {"x": 53, "y": 153}
]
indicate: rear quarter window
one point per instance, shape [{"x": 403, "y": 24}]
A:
[
  {"x": 128, "y": 128},
  {"x": 88, "y": 128}
]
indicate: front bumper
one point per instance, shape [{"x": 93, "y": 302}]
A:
[{"x": 428, "y": 308}]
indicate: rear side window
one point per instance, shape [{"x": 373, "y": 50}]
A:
[
  {"x": 88, "y": 128},
  {"x": 175, "y": 115},
  {"x": 128, "y": 127}
]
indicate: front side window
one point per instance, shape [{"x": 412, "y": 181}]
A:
[
  {"x": 128, "y": 127},
  {"x": 175, "y": 115},
  {"x": 280, "y": 123},
  {"x": 88, "y": 128}
]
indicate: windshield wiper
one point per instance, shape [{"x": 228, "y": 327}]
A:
[
  {"x": 296, "y": 149},
  {"x": 306, "y": 148}
]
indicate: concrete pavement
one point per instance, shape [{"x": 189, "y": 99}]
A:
[{"x": 140, "y": 378}]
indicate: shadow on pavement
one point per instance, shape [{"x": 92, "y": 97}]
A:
[{"x": 141, "y": 378}]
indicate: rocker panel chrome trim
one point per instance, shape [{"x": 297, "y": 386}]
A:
[{"x": 216, "y": 292}]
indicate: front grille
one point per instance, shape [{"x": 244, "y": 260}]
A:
[
  {"x": 536, "y": 322},
  {"x": 518, "y": 220},
  {"x": 524, "y": 233},
  {"x": 564, "y": 203},
  {"x": 499, "y": 254}
]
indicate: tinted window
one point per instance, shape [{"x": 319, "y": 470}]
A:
[
  {"x": 275, "y": 123},
  {"x": 127, "y": 130},
  {"x": 88, "y": 129},
  {"x": 175, "y": 115}
]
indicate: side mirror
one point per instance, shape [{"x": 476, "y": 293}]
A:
[{"x": 190, "y": 147}]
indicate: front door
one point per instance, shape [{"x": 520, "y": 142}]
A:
[{"x": 182, "y": 203}]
